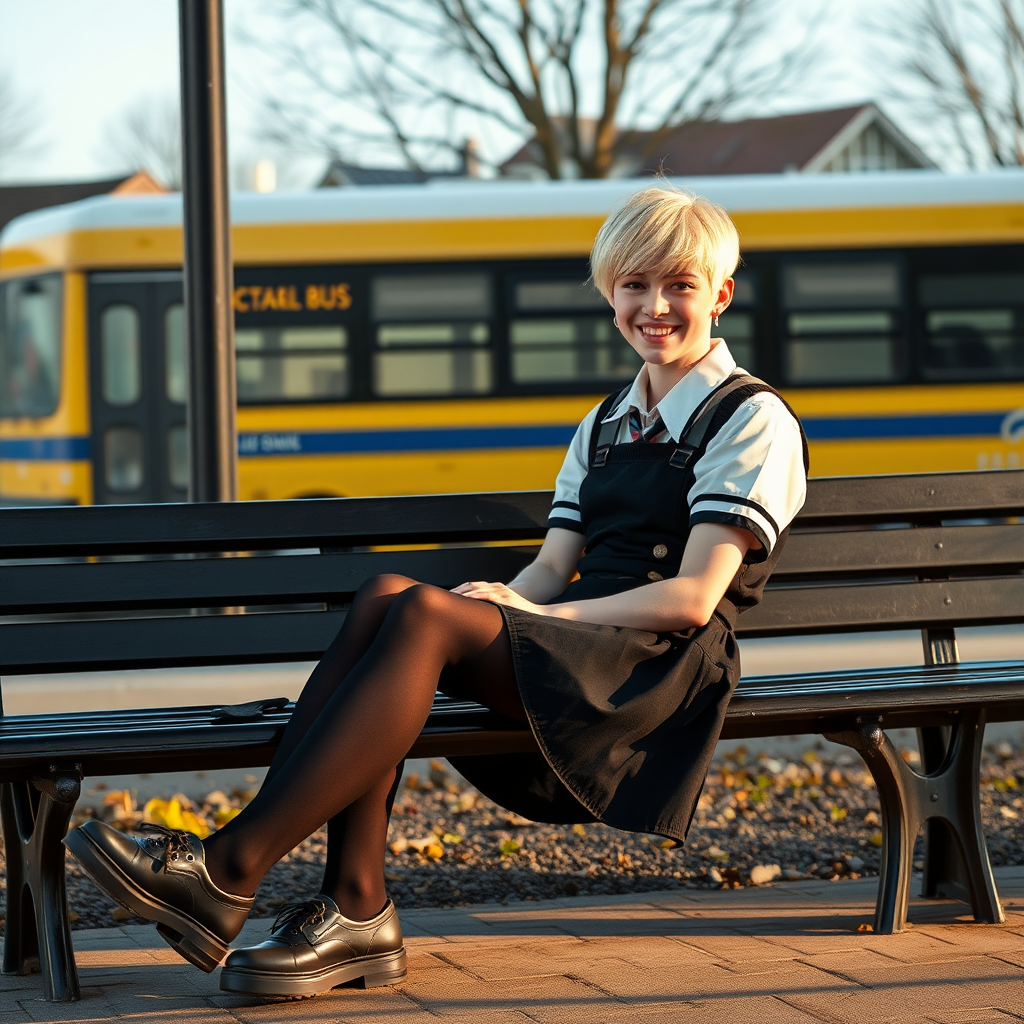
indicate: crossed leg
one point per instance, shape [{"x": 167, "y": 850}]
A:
[{"x": 361, "y": 710}]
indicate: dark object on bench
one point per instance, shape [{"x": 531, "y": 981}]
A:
[{"x": 867, "y": 554}]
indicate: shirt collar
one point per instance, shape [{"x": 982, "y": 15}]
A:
[{"x": 677, "y": 406}]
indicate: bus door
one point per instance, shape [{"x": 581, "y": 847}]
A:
[{"x": 138, "y": 387}]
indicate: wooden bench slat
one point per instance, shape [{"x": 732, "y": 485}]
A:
[
  {"x": 268, "y": 525},
  {"x": 84, "y": 645},
  {"x": 186, "y": 583},
  {"x": 885, "y": 606},
  {"x": 173, "y": 583},
  {"x": 90, "y": 645},
  {"x": 914, "y": 496},
  {"x": 930, "y": 549},
  {"x": 333, "y": 522}
]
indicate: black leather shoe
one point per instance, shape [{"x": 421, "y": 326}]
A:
[
  {"x": 162, "y": 877},
  {"x": 313, "y": 947}
]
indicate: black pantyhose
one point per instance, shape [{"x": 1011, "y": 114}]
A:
[{"x": 361, "y": 710}]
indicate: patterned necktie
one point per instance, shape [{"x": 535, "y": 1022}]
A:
[{"x": 638, "y": 432}]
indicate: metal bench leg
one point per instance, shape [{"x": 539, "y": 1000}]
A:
[
  {"x": 900, "y": 822},
  {"x": 18, "y": 802},
  {"x": 956, "y": 855},
  {"x": 949, "y": 796},
  {"x": 35, "y": 819}
]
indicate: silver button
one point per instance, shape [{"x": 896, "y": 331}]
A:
[
  {"x": 655, "y": 576},
  {"x": 660, "y": 550}
]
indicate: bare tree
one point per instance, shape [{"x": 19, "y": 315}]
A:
[
  {"x": 147, "y": 135},
  {"x": 963, "y": 65},
  {"x": 19, "y": 124},
  {"x": 588, "y": 81}
]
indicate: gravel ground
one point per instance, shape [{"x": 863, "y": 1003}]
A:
[{"x": 759, "y": 819}]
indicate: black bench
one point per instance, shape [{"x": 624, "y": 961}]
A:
[{"x": 178, "y": 585}]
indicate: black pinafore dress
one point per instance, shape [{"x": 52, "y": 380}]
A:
[{"x": 626, "y": 720}]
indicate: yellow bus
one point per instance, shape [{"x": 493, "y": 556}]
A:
[{"x": 442, "y": 338}]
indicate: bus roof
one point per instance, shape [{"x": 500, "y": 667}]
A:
[{"x": 583, "y": 203}]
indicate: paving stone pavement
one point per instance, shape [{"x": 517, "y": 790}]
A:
[{"x": 786, "y": 954}]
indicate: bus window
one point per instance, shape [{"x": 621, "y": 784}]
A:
[
  {"x": 974, "y": 326},
  {"x": 737, "y": 322},
  {"x": 574, "y": 347},
  {"x": 432, "y": 335},
  {"x": 432, "y": 359},
  {"x": 175, "y": 374},
  {"x": 122, "y": 450},
  {"x": 545, "y": 296},
  {"x": 837, "y": 328},
  {"x": 119, "y": 349},
  {"x": 569, "y": 349},
  {"x": 737, "y": 328},
  {"x": 431, "y": 296},
  {"x": 177, "y": 456},
  {"x": 30, "y": 316},
  {"x": 292, "y": 363}
]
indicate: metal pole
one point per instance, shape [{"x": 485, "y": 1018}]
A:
[{"x": 207, "y": 270}]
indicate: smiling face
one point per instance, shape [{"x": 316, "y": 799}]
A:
[{"x": 667, "y": 318}]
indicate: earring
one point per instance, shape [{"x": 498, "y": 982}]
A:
[
  {"x": 716, "y": 319},
  {"x": 615, "y": 320}
]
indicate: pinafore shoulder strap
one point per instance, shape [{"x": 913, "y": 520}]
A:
[{"x": 706, "y": 420}]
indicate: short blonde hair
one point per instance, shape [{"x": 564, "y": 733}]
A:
[{"x": 664, "y": 229}]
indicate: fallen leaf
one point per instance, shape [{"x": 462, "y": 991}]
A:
[
  {"x": 865, "y": 927},
  {"x": 579, "y": 830},
  {"x": 222, "y": 817},
  {"x": 171, "y": 814},
  {"x": 837, "y": 813},
  {"x": 509, "y": 847},
  {"x": 875, "y": 839},
  {"x": 451, "y": 837},
  {"x": 120, "y": 914}
]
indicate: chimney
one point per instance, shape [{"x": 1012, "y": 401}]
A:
[{"x": 471, "y": 158}]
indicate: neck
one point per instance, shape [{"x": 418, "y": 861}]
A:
[{"x": 663, "y": 377}]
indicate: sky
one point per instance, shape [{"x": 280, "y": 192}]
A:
[{"x": 80, "y": 63}]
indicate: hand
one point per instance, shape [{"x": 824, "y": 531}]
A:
[{"x": 497, "y": 593}]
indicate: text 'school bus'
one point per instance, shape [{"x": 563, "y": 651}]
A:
[{"x": 442, "y": 338}]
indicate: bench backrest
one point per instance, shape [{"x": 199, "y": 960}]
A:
[{"x": 163, "y": 585}]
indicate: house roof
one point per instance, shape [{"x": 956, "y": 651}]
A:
[
  {"x": 342, "y": 174},
  {"x": 18, "y": 199},
  {"x": 755, "y": 146}
]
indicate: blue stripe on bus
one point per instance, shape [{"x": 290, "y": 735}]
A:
[
  {"x": 337, "y": 442},
  {"x": 419, "y": 439},
  {"x": 45, "y": 449},
  {"x": 854, "y": 428}
]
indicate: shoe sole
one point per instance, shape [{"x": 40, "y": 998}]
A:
[
  {"x": 384, "y": 969},
  {"x": 188, "y": 938}
]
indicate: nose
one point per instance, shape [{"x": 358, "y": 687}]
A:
[{"x": 657, "y": 303}]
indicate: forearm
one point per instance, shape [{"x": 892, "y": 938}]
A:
[
  {"x": 662, "y": 607},
  {"x": 539, "y": 582}
]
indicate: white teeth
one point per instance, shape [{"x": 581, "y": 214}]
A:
[{"x": 657, "y": 331}]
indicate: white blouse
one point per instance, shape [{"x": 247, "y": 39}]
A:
[{"x": 751, "y": 475}]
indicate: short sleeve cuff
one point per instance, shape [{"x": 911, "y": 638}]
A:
[
  {"x": 566, "y": 516},
  {"x": 745, "y": 517}
]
